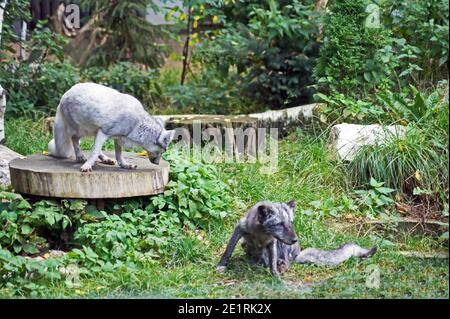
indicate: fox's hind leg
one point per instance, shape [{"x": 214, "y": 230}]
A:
[
  {"x": 79, "y": 156},
  {"x": 100, "y": 139},
  {"x": 61, "y": 144},
  {"x": 106, "y": 160}
]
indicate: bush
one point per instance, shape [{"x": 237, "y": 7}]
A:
[
  {"x": 424, "y": 26},
  {"x": 269, "y": 51},
  {"x": 348, "y": 61},
  {"x": 211, "y": 94},
  {"x": 34, "y": 90}
]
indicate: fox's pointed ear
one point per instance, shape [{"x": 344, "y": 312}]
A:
[
  {"x": 171, "y": 135},
  {"x": 168, "y": 137},
  {"x": 264, "y": 213},
  {"x": 292, "y": 204}
]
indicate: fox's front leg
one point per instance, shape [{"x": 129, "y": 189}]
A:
[
  {"x": 273, "y": 258},
  {"x": 118, "y": 145},
  {"x": 237, "y": 234},
  {"x": 100, "y": 139},
  {"x": 283, "y": 260}
]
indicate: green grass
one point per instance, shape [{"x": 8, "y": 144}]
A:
[
  {"x": 26, "y": 136},
  {"x": 306, "y": 173}
]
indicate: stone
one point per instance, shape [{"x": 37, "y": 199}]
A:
[
  {"x": 6, "y": 156},
  {"x": 52, "y": 177},
  {"x": 347, "y": 139}
]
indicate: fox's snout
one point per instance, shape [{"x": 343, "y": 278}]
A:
[
  {"x": 289, "y": 237},
  {"x": 154, "y": 160},
  {"x": 290, "y": 241}
]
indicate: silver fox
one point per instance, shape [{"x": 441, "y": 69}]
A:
[
  {"x": 269, "y": 239},
  {"x": 89, "y": 109}
]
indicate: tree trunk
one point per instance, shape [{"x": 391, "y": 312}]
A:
[
  {"x": 186, "y": 47},
  {"x": 2, "y": 11},
  {"x": 2, "y": 113},
  {"x": 23, "y": 39},
  {"x": 320, "y": 5}
]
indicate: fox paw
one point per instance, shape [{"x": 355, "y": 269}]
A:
[
  {"x": 282, "y": 266},
  {"x": 108, "y": 161},
  {"x": 81, "y": 159},
  {"x": 220, "y": 269},
  {"x": 128, "y": 166},
  {"x": 86, "y": 168}
]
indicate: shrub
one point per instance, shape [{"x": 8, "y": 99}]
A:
[
  {"x": 124, "y": 33},
  {"x": 212, "y": 93},
  {"x": 348, "y": 61},
  {"x": 423, "y": 25},
  {"x": 271, "y": 49},
  {"x": 34, "y": 90}
]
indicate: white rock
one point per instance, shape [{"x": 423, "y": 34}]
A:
[
  {"x": 6, "y": 156},
  {"x": 347, "y": 139}
]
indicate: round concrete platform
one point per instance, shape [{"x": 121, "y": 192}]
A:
[{"x": 48, "y": 176}]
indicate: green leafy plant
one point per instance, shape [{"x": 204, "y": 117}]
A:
[
  {"x": 28, "y": 87},
  {"x": 330, "y": 207},
  {"x": 20, "y": 276},
  {"x": 376, "y": 199},
  {"x": 194, "y": 191},
  {"x": 423, "y": 26},
  {"x": 349, "y": 62},
  {"x": 269, "y": 51},
  {"x": 22, "y": 223},
  {"x": 339, "y": 107}
]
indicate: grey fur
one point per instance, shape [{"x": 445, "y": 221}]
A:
[
  {"x": 268, "y": 238},
  {"x": 90, "y": 109}
]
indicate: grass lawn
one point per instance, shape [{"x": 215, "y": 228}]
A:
[{"x": 306, "y": 173}]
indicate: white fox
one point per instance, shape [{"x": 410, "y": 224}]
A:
[{"x": 89, "y": 109}]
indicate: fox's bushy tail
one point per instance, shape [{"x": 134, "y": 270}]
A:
[
  {"x": 333, "y": 257},
  {"x": 61, "y": 144}
]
